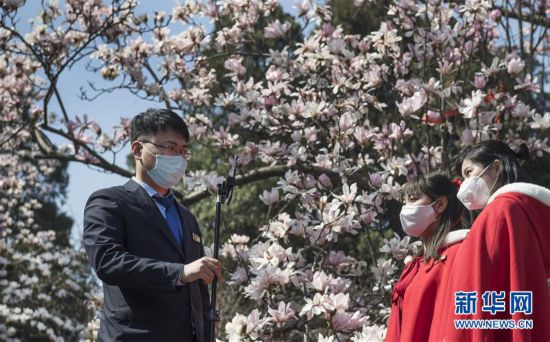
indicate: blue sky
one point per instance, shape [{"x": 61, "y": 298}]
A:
[{"x": 106, "y": 111}]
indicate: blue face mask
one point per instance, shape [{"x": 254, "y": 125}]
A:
[{"x": 168, "y": 170}]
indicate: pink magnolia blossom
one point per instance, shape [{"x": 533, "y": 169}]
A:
[
  {"x": 282, "y": 314},
  {"x": 320, "y": 281},
  {"x": 528, "y": 84},
  {"x": 270, "y": 197},
  {"x": 480, "y": 81},
  {"x": 344, "y": 321},
  {"x": 316, "y": 306},
  {"x": 276, "y": 29},
  {"x": 234, "y": 65},
  {"x": 412, "y": 104},
  {"x": 386, "y": 40}
]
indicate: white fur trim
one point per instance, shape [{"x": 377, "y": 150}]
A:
[
  {"x": 532, "y": 190},
  {"x": 455, "y": 236}
]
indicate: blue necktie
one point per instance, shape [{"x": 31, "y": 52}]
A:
[{"x": 172, "y": 217}]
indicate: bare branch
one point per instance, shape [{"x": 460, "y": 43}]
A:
[
  {"x": 530, "y": 18},
  {"x": 159, "y": 82},
  {"x": 269, "y": 172},
  {"x": 60, "y": 101},
  {"x": 50, "y": 152}
]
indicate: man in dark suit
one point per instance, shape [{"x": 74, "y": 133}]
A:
[{"x": 147, "y": 248}]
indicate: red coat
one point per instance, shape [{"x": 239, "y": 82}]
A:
[
  {"x": 414, "y": 296},
  {"x": 508, "y": 249}
]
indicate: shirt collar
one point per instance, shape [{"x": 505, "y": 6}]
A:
[{"x": 150, "y": 191}]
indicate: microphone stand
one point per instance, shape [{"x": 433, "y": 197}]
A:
[{"x": 225, "y": 193}]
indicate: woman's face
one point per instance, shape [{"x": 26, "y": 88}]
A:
[
  {"x": 490, "y": 176},
  {"x": 417, "y": 199},
  {"x": 423, "y": 199}
]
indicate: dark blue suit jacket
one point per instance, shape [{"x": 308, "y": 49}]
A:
[{"x": 134, "y": 253}]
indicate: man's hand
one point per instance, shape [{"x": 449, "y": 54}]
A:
[{"x": 204, "y": 268}]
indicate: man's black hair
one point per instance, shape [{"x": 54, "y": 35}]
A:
[{"x": 152, "y": 121}]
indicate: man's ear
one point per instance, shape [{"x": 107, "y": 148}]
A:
[
  {"x": 136, "y": 149},
  {"x": 441, "y": 205}
]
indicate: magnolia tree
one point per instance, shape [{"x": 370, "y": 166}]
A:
[
  {"x": 340, "y": 121},
  {"x": 45, "y": 287}
]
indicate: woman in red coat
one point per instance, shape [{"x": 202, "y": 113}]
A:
[
  {"x": 431, "y": 212},
  {"x": 499, "y": 274}
]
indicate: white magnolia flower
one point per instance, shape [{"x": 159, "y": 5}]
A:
[
  {"x": 412, "y": 104},
  {"x": 349, "y": 192},
  {"x": 316, "y": 306},
  {"x": 270, "y": 197},
  {"x": 515, "y": 66},
  {"x": 541, "y": 122},
  {"x": 236, "y": 328},
  {"x": 469, "y": 106},
  {"x": 399, "y": 248},
  {"x": 374, "y": 333},
  {"x": 320, "y": 281},
  {"x": 383, "y": 270},
  {"x": 476, "y": 9},
  {"x": 339, "y": 301},
  {"x": 385, "y": 40}
]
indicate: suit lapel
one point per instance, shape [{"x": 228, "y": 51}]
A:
[
  {"x": 148, "y": 206},
  {"x": 186, "y": 230}
]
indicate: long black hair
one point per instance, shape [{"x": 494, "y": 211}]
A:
[
  {"x": 485, "y": 152},
  {"x": 437, "y": 185}
]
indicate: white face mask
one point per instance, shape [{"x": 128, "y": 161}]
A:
[
  {"x": 415, "y": 219},
  {"x": 168, "y": 170},
  {"x": 474, "y": 192}
]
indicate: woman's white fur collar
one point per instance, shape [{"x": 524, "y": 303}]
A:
[
  {"x": 452, "y": 237},
  {"x": 532, "y": 190},
  {"x": 455, "y": 236}
]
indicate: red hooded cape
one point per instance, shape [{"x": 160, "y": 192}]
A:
[
  {"x": 415, "y": 292},
  {"x": 508, "y": 249}
]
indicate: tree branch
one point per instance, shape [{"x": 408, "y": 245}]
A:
[
  {"x": 269, "y": 172},
  {"x": 159, "y": 82},
  {"x": 49, "y": 151},
  {"x": 530, "y": 18}
]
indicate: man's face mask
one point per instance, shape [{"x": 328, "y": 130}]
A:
[
  {"x": 474, "y": 192},
  {"x": 168, "y": 170},
  {"x": 415, "y": 219}
]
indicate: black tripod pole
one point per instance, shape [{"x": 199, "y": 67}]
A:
[
  {"x": 225, "y": 193},
  {"x": 214, "y": 316}
]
